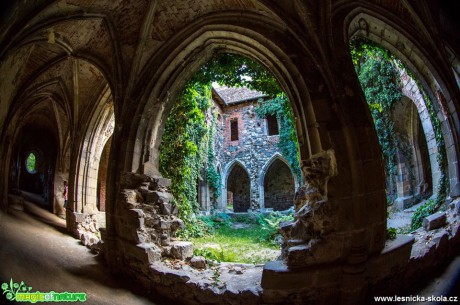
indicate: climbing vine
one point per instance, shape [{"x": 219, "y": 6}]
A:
[
  {"x": 212, "y": 175},
  {"x": 376, "y": 69},
  {"x": 183, "y": 152},
  {"x": 279, "y": 107},
  {"x": 380, "y": 80},
  {"x": 431, "y": 206}
]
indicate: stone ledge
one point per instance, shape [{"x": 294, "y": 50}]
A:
[
  {"x": 398, "y": 243},
  {"x": 434, "y": 221},
  {"x": 277, "y": 275}
]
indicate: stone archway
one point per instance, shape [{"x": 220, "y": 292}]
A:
[
  {"x": 279, "y": 186},
  {"x": 237, "y": 188},
  {"x": 277, "y": 157},
  {"x": 189, "y": 48},
  {"x": 361, "y": 22},
  {"x": 413, "y": 160},
  {"x": 36, "y": 179},
  {"x": 102, "y": 175},
  {"x": 97, "y": 134}
]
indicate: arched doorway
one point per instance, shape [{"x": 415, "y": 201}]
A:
[
  {"x": 32, "y": 168},
  {"x": 102, "y": 175},
  {"x": 238, "y": 189},
  {"x": 412, "y": 158},
  {"x": 279, "y": 186}
]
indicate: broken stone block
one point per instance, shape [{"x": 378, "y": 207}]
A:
[
  {"x": 84, "y": 237},
  {"x": 158, "y": 197},
  {"x": 434, "y": 221},
  {"x": 181, "y": 249},
  {"x": 164, "y": 239},
  {"x": 167, "y": 208},
  {"x": 160, "y": 182},
  {"x": 132, "y": 180},
  {"x": 198, "y": 262},
  {"x": 455, "y": 207},
  {"x": 148, "y": 251},
  {"x": 165, "y": 224},
  {"x": 96, "y": 248},
  {"x": 131, "y": 196},
  {"x": 176, "y": 225},
  {"x": 144, "y": 187}
]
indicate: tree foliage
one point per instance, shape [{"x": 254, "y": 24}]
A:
[{"x": 233, "y": 70}]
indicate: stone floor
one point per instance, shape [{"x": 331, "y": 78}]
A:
[
  {"x": 35, "y": 248},
  {"x": 400, "y": 219}
]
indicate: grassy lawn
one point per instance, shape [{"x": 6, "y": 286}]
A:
[{"x": 243, "y": 239}]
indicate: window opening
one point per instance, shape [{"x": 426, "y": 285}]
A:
[
  {"x": 272, "y": 125},
  {"x": 234, "y": 130},
  {"x": 31, "y": 165}
]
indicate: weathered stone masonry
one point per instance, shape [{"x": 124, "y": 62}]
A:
[{"x": 254, "y": 154}]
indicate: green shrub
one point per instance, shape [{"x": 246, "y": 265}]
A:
[
  {"x": 248, "y": 219},
  {"x": 214, "y": 254},
  {"x": 391, "y": 233},
  {"x": 270, "y": 224},
  {"x": 423, "y": 211}
]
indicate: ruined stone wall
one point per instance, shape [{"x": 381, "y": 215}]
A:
[
  {"x": 278, "y": 187},
  {"x": 253, "y": 150}
]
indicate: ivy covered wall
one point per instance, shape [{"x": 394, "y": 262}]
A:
[
  {"x": 189, "y": 137},
  {"x": 379, "y": 73}
]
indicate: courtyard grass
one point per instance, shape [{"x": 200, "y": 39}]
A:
[{"x": 242, "y": 239}]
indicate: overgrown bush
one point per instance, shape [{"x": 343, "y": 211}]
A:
[
  {"x": 423, "y": 211},
  {"x": 213, "y": 254},
  {"x": 270, "y": 224},
  {"x": 391, "y": 233}
]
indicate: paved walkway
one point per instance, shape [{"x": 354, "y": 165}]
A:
[
  {"x": 401, "y": 219},
  {"x": 35, "y": 248}
]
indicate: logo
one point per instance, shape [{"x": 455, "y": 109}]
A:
[{"x": 20, "y": 292}]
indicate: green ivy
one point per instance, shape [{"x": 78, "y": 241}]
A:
[
  {"x": 182, "y": 152},
  {"x": 376, "y": 69},
  {"x": 391, "y": 233},
  {"x": 423, "y": 211},
  {"x": 379, "y": 78},
  {"x": 213, "y": 177},
  {"x": 233, "y": 70},
  {"x": 288, "y": 145}
]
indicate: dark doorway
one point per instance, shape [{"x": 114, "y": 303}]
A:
[{"x": 239, "y": 186}]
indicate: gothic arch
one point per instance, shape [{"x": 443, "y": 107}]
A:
[
  {"x": 370, "y": 24},
  {"x": 36, "y": 105},
  {"x": 414, "y": 162},
  {"x": 99, "y": 131},
  {"x": 263, "y": 172},
  {"x": 411, "y": 91},
  {"x": 188, "y": 49},
  {"x": 226, "y": 173},
  {"x": 204, "y": 40}
]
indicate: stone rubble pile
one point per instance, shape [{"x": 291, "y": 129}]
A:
[{"x": 148, "y": 218}]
